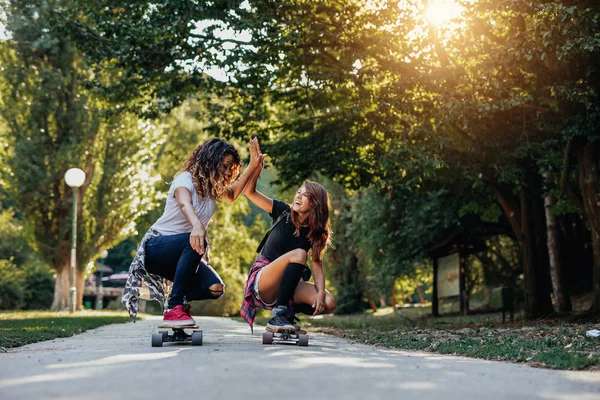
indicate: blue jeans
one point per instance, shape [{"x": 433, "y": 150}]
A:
[{"x": 173, "y": 258}]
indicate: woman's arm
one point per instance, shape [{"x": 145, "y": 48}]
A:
[
  {"x": 319, "y": 305},
  {"x": 183, "y": 196},
  {"x": 255, "y": 196},
  {"x": 234, "y": 190}
]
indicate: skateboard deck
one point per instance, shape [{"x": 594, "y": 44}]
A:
[
  {"x": 285, "y": 336},
  {"x": 178, "y": 327},
  {"x": 296, "y": 331},
  {"x": 178, "y": 335}
]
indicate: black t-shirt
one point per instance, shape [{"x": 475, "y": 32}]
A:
[{"x": 282, "y": 239}]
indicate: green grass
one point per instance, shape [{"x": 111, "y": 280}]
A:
[
  {"x": 18, "y": 328},
  {"x": 549, "y": 344}
]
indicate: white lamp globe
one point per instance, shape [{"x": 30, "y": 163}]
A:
[
  {"x": 104, "y": 254},
  {"x": 74, "y": 177}
]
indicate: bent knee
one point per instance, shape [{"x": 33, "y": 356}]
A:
[
  {"x": 217, "y": 290},
  {"x": 298, "y": 256},
  {"x": 329, "y": 304}
]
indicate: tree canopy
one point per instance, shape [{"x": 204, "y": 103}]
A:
[{"x": 488, "y": 105}]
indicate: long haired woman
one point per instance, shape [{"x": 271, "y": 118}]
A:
[
  {"x": 275, "y": 279},
  {"x": 175, "y": 244}
]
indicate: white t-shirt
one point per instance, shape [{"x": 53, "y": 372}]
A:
[{"x": 173, "y": 222}]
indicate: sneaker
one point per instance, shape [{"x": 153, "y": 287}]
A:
[
  {"x": 188, "y": 309},
  {"x": 278, "y": 321},
  {"x": 177, "y": 316}
]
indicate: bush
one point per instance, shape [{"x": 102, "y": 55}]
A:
[
  {"x": 24, "y": 281},
  {"x": 30, "y": 287},
  {"x": 14, "y": 246},
  {"x": 347, "y": 302},
  {"x": 12, "y": 286},
  {"x": 39, "y": 287}
]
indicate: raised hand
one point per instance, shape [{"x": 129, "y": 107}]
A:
[
  {"x": 254, "y": 153},
  {"x": 256, "y": 157}
]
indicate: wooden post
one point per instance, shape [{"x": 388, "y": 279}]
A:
[
  {"x": 434, "y": 297},
  {"x": 421, "y": 295},
  {"x": 372, "y": 304}
]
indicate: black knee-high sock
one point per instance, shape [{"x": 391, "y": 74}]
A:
[
  {"x": 303, "y": 308},
  {"x": 289, "y": 280}
]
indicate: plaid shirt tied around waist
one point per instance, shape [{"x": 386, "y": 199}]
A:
[
  {"x": 250, "y": 302},
  {"x": 158, "y": 287}
]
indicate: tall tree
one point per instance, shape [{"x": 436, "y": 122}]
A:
[
  {"x": 54, "y": 121},
  {"x": 373, "y": 89}
]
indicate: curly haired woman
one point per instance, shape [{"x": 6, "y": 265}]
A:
[{"x": 174, "y": 246}]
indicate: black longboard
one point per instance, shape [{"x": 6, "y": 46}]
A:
[
  {"x": 285, "y": 336},
  {"x": 178, "y": 335}
]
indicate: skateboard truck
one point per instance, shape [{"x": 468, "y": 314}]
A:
[
  {"x": 285, "y": 336},
  {"x": 178, "y": 335}
]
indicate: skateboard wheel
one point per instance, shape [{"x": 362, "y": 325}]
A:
[
  {"x": 197, "y": 338},
  {"x": 302, "y": 340},
  {"x": 268, "y": 337},
  {"x": 157, "y": 340},
  {"x": 165, "y": 335}
]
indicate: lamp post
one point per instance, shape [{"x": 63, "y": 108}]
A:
[
  {"x": 74, "y": 178},
  {"x": 100, "y": 295}
]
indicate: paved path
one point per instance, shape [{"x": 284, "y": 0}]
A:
[{"x": 117, "y": 362}]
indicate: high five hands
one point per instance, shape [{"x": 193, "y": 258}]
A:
[{"x": 256, "y": 157}]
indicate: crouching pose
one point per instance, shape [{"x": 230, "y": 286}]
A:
[
  {"x": 275, "y": 279},
  {"x": 174, "y": 246}
]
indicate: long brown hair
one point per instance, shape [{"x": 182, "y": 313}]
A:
[
  {"x": 319, "y": 233},
  {"x": 204, "y": 163}
]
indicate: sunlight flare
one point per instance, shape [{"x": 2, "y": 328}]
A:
[{"x": 439, "y": 12}]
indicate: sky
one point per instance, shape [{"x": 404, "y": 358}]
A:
[{"x": 216, "y": 73}]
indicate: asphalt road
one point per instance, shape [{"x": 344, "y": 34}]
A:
[{"x": 117, "y": 362}]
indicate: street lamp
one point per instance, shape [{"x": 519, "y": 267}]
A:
[
  {"x": 74, "y": 178},
  {"x": 100, "y": 295}
]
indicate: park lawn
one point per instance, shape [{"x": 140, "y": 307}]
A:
[
  {"x": 18, "y": 328},
  {"x": 549, "y": 344}
]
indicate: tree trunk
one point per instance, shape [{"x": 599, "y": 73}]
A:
[
  {"x": 562, "y": 303},
  {"x": 524, "y": 217},
  {"x": 79, "y": 286},
  {"x": 346, "y": 279},
  {"x": 588, "y": 158},
  {"x": 531, "y": 305},
  {"x": 596, "y": 271},
  {"x": 539, "y": 247},
  {"x": 61, "y": 288}
]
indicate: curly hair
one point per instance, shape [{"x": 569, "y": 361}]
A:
[
  {"x": 319, "y": 233},
  {"x": 205, "y": 166}
]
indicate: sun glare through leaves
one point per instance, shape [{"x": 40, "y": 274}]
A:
[{"x": 440, "y": 12}]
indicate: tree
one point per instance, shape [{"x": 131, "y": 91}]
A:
[
  {"x": 54, "y": 120},
  {"x": 539, "y": 60},
  {"x": 372, "y": 90}
]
